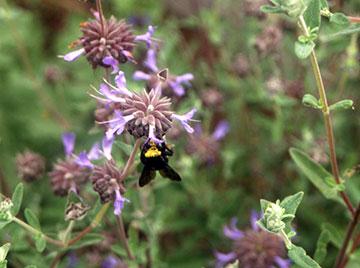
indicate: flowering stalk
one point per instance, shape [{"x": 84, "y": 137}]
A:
[
  {"x": 327, "y": 118},
  {"x": 32, "y": 230},
  {"x": 342, "y": 259},
  {"x": 122, "y": 235}
]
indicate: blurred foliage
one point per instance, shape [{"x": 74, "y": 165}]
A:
[{"x": 179, "y": 225}]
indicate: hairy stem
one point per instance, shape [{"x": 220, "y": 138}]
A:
[
  {"x": 327, "y": 118},
  {"x": 92, "y": 225},
  {"x": 130, "y": 161},
  {"x": 354, "y": 19},
  {"x": 123, "y": 237},
  {"x": 34, "y": 231},
  {"x": 341, "y": 260}
]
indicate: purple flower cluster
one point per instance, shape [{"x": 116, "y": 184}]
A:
[{"x": 253, "y": 248}]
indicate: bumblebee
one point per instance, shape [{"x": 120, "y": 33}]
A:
[{"x": 155, "y": 158}]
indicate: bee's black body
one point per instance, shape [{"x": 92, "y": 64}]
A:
[{"x": 155, "y": 158}]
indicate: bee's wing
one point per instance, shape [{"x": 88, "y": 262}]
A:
[
  {"x": 146, "y": 176},
  {"x": 169, "y": 172}
]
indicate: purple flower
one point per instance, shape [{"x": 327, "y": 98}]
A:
[
  {"x": 221, "y": 130},
  {"x": 107, "y": 147},
  {"x": 73, "y": 55},
  {"x": 176, "y": 84},
  {"x": 84, "y": 158},
  {"x": 231, "y": 231},
  {"x": 150, "y": 60},
  {"x": 117, "y": 124},
  {"x": 224, "y": 258},
  {"x": 109, "y": 262},
  {"x": 110, "y": 61},
  {"x": 68, "y": 140},
  {"x": 250, "y": 244},
  {"x": 147, "y": 37},
  {"x": 254, "y": 217},
  {"x": 119, "y": 203},
  {"x": 184, "y": 119}
]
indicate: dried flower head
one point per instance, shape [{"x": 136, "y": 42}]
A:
[
  {"x": 68, "y": 175},
  {"x": 207, "y": 147},
  {"x": 269, "y": 40},
  {"x": 145, "y": 114},
  {"x": 253, "y": 248},
  {"x": 30, "y": 166},
  {"x": 241, "y": 65},
  {"x": 105, "y": 42},
  {"x": 107, "y": 182},
  {"x": 212, "y": 98}
]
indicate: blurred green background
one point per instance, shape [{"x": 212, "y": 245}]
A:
[{"x": 230, "y": 49}]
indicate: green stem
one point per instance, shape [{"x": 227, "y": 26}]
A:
[
  {"x": 68, "y": 232},
  {"x": 286, "y": 239},
  {"x": 327, "y": 118},
  {"x": 34, "y": 231},
  {"x": 130, "y": 161},
  {"x": 123, "y": 237}
]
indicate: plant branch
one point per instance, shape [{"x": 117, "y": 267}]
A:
[
  {"x": 34, "y": 231},
  {"x": 130, "y": 161},
  {"x": 327, "y": 118},
  {"x": 92, "y": 225},
  {"x": 340, "y": 260},
  {"x": 354, "y": 19},
  {"x": 123, "y": 237}
]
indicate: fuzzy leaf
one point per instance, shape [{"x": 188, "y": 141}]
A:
[
  {"x": 341, "y": 105},
  {"x": 340, "y": 19},
  {"x": 40, "y": 243},
  {"x": 32, "y": 219},
  {"x": 271, "y": 9},
  {"x": 4, "y": 249},
  {"x": 299, "y": 256},
  {"x": 17, "y": 199},
  {"x": 291, "y": 203},
  {"x": 310, "y": 101},
  {"x": 324, "y": 4},
  {"x": 303, "y": 50},
  {"x": 321, "y": 246},
  {"x": 315, "y": 173},
  {"x": 4, "y": 223},
  {"x": 312, "y": 14}
]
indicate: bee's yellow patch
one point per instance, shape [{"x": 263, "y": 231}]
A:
[{"x": 152, "y": 152}]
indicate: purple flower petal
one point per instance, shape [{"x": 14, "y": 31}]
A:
[
  {"x": 95, "y": 152},
  {"x": 221, "y": 130},
  {"x": 177, "y": 87},
  {"x": 73, "y": 55},
  {"x": 232, "y": 232},
  {"x": 185, "y": 78},
  {"x": 109, "y": 94},
  {"x": 254, "y": 217},
  {"x": 83, "y": 160},
  {"x": 117, "y": 124},
  {"x": 139, "y": 75},
  {"x": 68, "y": 140},
  {"x": 150, "y": 61},
  {"x": 184, "y": 120},
  {"x": 120, "y": 82},
  {"x": 110, "y": 262},
  {"x": 107, "y": 147},
  {"x": 119, "y": 202},
  {"x": 282, "y": 263},
  {"x": 128, "y": 55},
  {"x": 224, "y": 258},
  {"x": 147, "y": 36},
  {"x": 111, "y": 61},
  {"x": 152, "y": 135}
]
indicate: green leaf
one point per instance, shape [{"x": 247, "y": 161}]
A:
[
  {"x": 341, "y": 105},
  {"x": 310, "y": 101},
  {"x": 264, "y": 204},
  {"x": 315, "y": 173},
  {"x": 340, "y": 19},
  {"x": 40, "y": 243},
  {"x": 298, "y": 255},
  {"x": 271, "y": 9},
  {"x": 336, "y": 237},
  {"x": 303, "y": 50},
  {"x": 4, "y": 223},
  {"x": 291, "y": 203},
  {"x": 4, "y": 249},
  {"x": 352, "y": 29},
  {"x": 3, "y": 264},
  {"x": 32, "y": 219},
  {"x": 321, "y": 246},
  {"x": 324, "y": 4},
  {"x": 17, "y": 199},
  {"x": 312, "y": 14},
  {"x": 31, "y": 266}
]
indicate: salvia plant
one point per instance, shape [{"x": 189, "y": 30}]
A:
[{"x": 153, "y": 128}]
